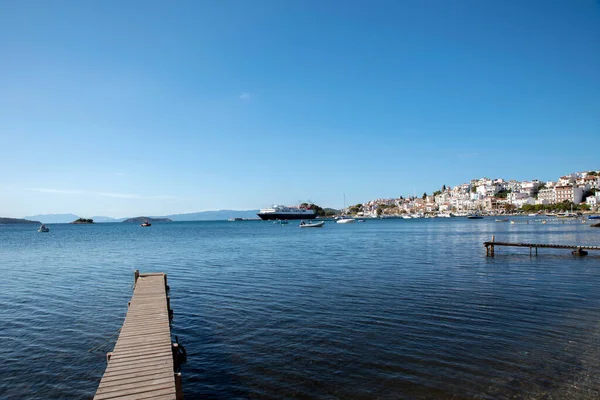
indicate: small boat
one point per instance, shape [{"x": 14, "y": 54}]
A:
[
  {"x": 311, "y": 225},
  {"x": 43, "y": 228},
  {"x": 343, "y": 219},
  {"x": 512, "y": 222},
  {"x": 360, "y": 220},
  {"x": 502, "y": 220},
  {"x": 594, "y": 217},
  {"x": 474, "y": 216},
  {"x": 146, "y": 224},
  {"x": 566, "y": 215},
  {"x": 284, "y": 222},
  {"x": 532, "y": 215}
]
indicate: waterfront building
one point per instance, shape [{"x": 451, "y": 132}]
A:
[
  {"x": 512, "y": 197},
  {"x": 444, "y": 207},
  {"x": 522, "y": 202},
  {"x": 548, "y": 195},
  {"x": 569, "y": 193},
  {"x": 593, "y": 201}
]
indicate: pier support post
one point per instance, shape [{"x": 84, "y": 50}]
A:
[
  {"x": 178, "y": 387},
  {"x": 136, "y": 275}
]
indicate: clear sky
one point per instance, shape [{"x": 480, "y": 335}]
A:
[{"x": 125, "y": 108}]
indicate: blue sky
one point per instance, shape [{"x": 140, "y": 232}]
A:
[{"x": 127, "y": 108}]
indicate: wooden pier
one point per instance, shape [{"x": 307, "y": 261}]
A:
[
  {"x": 145, "y": 362},
  {"x": 578, "y": 250}
]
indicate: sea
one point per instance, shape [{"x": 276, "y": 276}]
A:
[{"x": 385, "y": 309}]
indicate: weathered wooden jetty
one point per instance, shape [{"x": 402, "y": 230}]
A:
[
  {"x": 578, "y": 250},
  {"x": 144, "y": 363}
]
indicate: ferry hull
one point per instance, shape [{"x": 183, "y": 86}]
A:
[{"x": 274, "y": 216}]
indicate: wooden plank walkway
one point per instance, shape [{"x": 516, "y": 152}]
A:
[
  {"x": 580, "y": 249},
  {"x": 142, "y": 365}
]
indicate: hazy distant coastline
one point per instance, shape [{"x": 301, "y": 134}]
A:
[
  {"x": 12, "y": 221},
  {"x": 216, "y": 215}
]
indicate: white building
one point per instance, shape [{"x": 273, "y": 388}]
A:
[
  {"x": 512, "y": 197},
  {"x": 513, "y": 186},
  {"x": 593, "y": 201},
  {"x": 487, "y": 190},
  {"x": 548, "y": 195},
  {"x": 442, "y": 198},
  {"x": 566, "y": 180},
  {"x": 530, "y": 187},
  {"x": 526, "y": 200},
  {"x": 589, "y": 182}
]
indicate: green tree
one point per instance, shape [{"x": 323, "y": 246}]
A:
[
  {"x": 528, "y": 208},
  {"x": 353, "y": 210},
  {"x": 473, "y": 189},
  {"x": 502, "y": 194},
  {"x": 593, "y": 173},
  {"x": 537, "y": 190},
  {"x": 318, "y": 210},
  {"x": 587, "y": 193},
  {"x": 437, "y": 192},
  {"x": 443, "y": 188},
  {"x": 424, "y": 196}
]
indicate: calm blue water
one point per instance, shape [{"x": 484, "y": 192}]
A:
[{"x": 386, "y": 309}]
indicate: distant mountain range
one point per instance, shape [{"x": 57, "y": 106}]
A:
[
  {"x": 146, "y": 219},
  {"x": 197, "y": 216},
  {"x": 213, "y": 215},
  {"x": 54, "y": 218},
  {"x": 107, "y": 219}
]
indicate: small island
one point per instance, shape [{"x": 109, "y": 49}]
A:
[
  {"x": 4, "y": 220},
  {"x": 140, "y": 220},
  {"x": 83, "y": 221}
]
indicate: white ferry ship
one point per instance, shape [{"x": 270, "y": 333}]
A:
[{"x": 283, "y": 212}]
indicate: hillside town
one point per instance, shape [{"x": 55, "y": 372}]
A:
[{"x": 493, "y": 196}]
